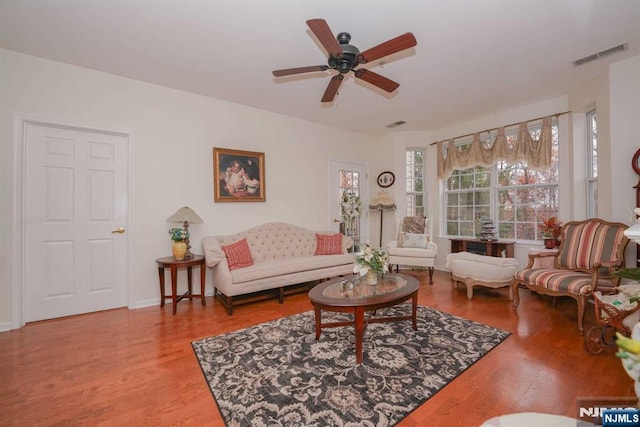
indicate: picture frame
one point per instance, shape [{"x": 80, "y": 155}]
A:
[{"x": 238, "y": 175}]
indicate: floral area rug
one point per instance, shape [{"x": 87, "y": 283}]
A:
[{"x": 277, "y": 374}]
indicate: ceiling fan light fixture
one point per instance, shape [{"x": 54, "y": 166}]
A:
[{"x": 344, "y": 57}]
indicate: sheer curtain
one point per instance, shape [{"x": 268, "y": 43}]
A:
[{"x": 536, "y": 152}]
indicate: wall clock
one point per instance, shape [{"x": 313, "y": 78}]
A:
[{"x": 386, "y": 179}]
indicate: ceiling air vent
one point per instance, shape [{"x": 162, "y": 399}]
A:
[
  {"x": 396, "y": 124},
  {"x": 594, "y": 57}
]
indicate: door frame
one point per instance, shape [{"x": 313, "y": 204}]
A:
[
  {"x": 18, "y": 232},
  {"x": 364, "y": 197}
]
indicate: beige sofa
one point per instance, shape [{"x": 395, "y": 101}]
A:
[{"x": 283, "y": 257}]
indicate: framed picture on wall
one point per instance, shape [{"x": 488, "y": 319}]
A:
[{"x": 238, "y": 176}]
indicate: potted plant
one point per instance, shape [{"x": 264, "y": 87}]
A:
[
  {"x": 372, "y": 262},
  {"x": 551, "y": 229},
  {"x": 179, "y": 248}
]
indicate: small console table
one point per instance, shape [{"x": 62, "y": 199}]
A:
[
  {"x": 483, "y": 247},
  {"x": 171, "y": 263}
]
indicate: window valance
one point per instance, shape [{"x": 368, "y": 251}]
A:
[{"x": 535, "y": 152}]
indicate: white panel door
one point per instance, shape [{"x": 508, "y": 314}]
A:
[
  {"x": 76, "y": 210},
  {"x": 351, "y": 178}
]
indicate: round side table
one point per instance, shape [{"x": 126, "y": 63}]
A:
[{"x": 171, "y": 263}]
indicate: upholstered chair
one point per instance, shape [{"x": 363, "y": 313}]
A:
[
  {"x": 414, "y": 246},
  {"x": 591, "y": 251}
]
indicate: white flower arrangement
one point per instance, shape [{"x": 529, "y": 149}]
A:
[
  {"x": 350, "y": 206},
  {"x": 370, "y": 258}
]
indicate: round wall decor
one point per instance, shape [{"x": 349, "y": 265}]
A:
[{"x": 386, "y": 179}]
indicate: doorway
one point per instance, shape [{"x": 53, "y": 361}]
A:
[
  {"x": 349, "y": 180},
  {"x": 74, "y": 210}
]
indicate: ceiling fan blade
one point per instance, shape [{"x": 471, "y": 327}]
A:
[
  {"x": 332, "y": 88},
  {"x": 377, "y": 80},
  {"x": 321, "y": 29},
  {"x": 300, "y": 70},
  {"x": 394, "y": 45}
]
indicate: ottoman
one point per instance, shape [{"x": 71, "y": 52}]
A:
[{"x": 479, "y": 270}]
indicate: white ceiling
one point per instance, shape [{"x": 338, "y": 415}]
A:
[{"x": 473, "y": 57}]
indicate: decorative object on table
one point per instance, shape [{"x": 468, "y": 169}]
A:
[
  {"x": 629, "y": 353},
  {"x": 382, "y": 202},
  {"x": 350, "y": 207},
  {"x": 179, "y": 248},
  {"x": 277, "y": 370},
  {"x": 614, "y": 313},
  {"x": 488, "y": 231},
  {"x": 633, "y": 232},
  {"x": 371, "y": 262},
  {"x": 551, "y": 229},
  {"x": 635, "y": 165},
  {"x": 386, "y": 179},
  {"x": 184, "y": 216},
  {"x": 238, "y": 176}
]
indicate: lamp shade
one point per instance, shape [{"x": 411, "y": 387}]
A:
[
  {"x": 383, "y": 202},
  {"x": 633, "y": 233},
  {"x": 185, "y": 214}
]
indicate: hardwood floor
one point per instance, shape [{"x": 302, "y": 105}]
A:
[{"x": 137, "y": 367}]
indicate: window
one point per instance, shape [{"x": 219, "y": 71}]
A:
[
  {"x": 468, "y": 198},
  {"x": 415, "y": 182},
  {"x": 513, "y": 196},
  {"x": 349, "y": 202},
  {"x": 592, "y": 165}
]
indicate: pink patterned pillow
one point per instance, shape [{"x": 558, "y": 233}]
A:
[
  {"x": 238, "y": 254},
  {"x": 328, "y": 244}
]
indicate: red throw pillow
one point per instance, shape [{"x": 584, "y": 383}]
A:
[
  {"x": 328, "y": 244},
  {"x": 238, "y": 254}
]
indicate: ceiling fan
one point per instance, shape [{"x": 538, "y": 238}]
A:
[{"x": 344, "y": 57}]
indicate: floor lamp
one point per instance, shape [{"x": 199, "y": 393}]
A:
[{"x": 383, "y": 202}]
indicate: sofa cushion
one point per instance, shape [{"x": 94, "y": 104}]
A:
[
  {"x": 481, "y": 267},
  {"x": 414, "y": 224},
  {"x": 238, "y": 254},
  {"x": 413, "y": 240},
  {"x": 328, "y": 244},
  {"x": 413, "y": 252},
  {"x": 557, "y": 280},
  {"x": 281, "y": 267}
]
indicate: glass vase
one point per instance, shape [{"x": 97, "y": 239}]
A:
[{"x": 372, "y": 277}]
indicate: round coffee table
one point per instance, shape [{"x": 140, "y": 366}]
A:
[{"x": 355, "y": 295}]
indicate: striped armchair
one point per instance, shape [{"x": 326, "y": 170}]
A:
[{"x": 590, "y": 252}]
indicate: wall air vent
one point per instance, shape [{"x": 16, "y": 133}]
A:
[
  {"x": 396, "y": 124},
  {"x": 594, "y": 57}
]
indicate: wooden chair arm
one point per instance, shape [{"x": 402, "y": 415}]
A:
[{"x": 533, "y": 257}]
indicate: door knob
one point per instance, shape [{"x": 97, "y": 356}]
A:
[
  {"x": 336, "y": 220},
  {"x": 118, "y": 230}
]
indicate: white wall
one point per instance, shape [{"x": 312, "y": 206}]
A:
[
  {"x": 624, "y": 101},
  {"x": 173, "y": 136}
]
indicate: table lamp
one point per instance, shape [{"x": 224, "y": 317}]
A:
[{"x": 184, "y": 216}]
